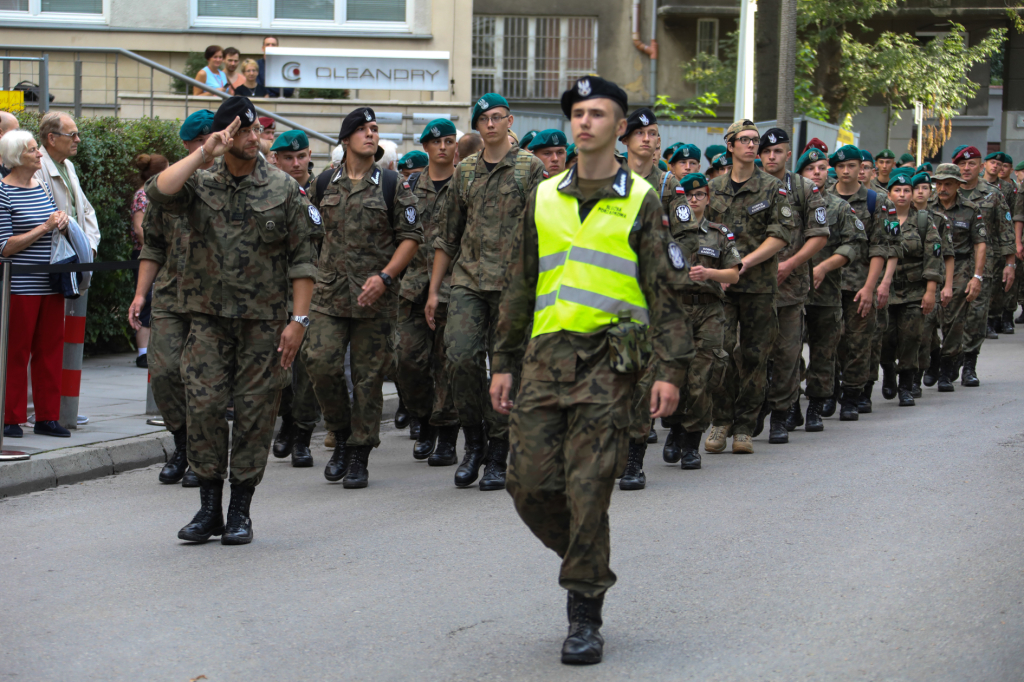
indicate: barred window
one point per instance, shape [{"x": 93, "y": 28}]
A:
[{"x": 531, "y": 57}]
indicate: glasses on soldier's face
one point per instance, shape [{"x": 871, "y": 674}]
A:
[
  {"x": 749, "y": 141},
  {"x": 699, "y": 196},
  {"x": 251, "y": 130},
  {"x": 496, "y": 119}
]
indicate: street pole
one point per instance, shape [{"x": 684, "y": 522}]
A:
[
  {"x": 745, "y": 62},
  {"x": 919, "y": 120}
]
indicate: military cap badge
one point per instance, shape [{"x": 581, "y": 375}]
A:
[{"x": 583, "y": 87}]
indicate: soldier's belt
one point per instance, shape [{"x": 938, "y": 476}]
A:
[{"x": 699, "y": 299}]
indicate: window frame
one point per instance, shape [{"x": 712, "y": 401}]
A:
[
  {"x": 35, "y": 14},
  {"x": 266, "y": 20}
]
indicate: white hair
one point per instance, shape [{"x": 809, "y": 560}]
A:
[
  {"x": 337, "y": 154},
  {"x": 13, "y": 145},
  {"x": 390, "y": 159}
]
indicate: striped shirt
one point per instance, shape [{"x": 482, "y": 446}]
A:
[{"x": 21, "y": 210}]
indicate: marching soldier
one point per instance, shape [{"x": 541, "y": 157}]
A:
[
  {"x": 685, "y": 160},
  {"x": 549, "y": 146},
  {"x": 998, "y": 166},
  {"x": 642, "y": 139},
  {"x": 719, "y": 165},
  {"x": 592, "y": 262},
  {"x": 250, "y": 237},
  {"x": 413, "y": 162},
  {"x": 931, "y": 347}
]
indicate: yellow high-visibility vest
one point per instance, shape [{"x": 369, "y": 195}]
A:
[{"x": 588, "y": 272}]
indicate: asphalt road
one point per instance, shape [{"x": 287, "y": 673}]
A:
[{"x": 888, "y": 549}]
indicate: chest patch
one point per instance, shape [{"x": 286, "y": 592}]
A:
[
  {"x": 411, "y": 215},
  {"x": 960, "y": 224},
  {"x": 708, "y": 251},
  {"x": 819, "y": 215},
  {"x": 675, "y": 256},
  {"x": 683, "y": 213},
  {"x": 758, "y": 207},
  {"x": 314, "y": 215}
]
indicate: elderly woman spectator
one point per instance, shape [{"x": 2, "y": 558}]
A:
[
  {"x": 389, "y": 161},
  {"x": 148, "y": 165},
  {"x": 249, "y": 87},
  {"x": 28, "y": 221},
  {"x": 211, "y": 74}
]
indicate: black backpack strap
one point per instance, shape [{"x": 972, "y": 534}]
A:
[
  {"x": 389, "y": 185},
  {"x": 321, "y": 184},
  {"x": 413, "y": 180},
  {"x": 872, "y": 198}
]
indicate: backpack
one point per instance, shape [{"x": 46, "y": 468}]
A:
[
  {"x": 388, "y": 185},
  {"x": 872, "y": 198},
  {"x": 521, "y": 171}
]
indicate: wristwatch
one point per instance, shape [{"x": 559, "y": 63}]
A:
[
  {"x": 387, "y": 278},
  {"x": 1012, "y": 266},
  {"x": 301, "y": 319},
  {"x": 979, "y": 278}
]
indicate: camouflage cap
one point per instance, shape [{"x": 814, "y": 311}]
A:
[
  {"x": 948, "y": 171},
  {"x": 739, "y": 127}
]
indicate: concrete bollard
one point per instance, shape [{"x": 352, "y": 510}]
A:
[{"x": 74, "y": 346}]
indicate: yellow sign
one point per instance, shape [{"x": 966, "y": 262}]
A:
[
  {"x": 12, "y": 100},
  {"x": 716, "y": 131},
  {"x": 845, "y": 137}
]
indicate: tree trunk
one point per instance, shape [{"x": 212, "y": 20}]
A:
[
  {"x": 787, "y": 66},
  {"x": 827, "y": 77}
]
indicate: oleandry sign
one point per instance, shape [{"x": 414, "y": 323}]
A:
[{"x": 356, "y": 69}]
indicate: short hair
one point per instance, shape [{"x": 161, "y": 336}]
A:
[
  {"x": 231, "y": 50},
  {"x": 470, "y": 143},
  {"x": 246, "y": 63},
  {"x": 272, "y": 37},
  {"x": 210, "y": 51},
  {"x": 13, "y": 145},
  {"x": 337, "y": 154},
  {"x": 390, "y": 157},
  {"x": 50, "y": 124},
  {"x": 149, "y": 165}
]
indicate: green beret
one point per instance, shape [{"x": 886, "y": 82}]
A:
[
  {"x": 886, "y": 154},
  {"x": 920, "y": 179},
  {"x": 899, "y": 179},
  {"x": 925, "y": 167},
  {"x": 525, "y": 140},
  {"x": 198, "y": 123},
  {"x": 1001, "y": 157},
  {"x": 693, "y": 181},
  {"x": 489, "y": 101},
  {"x": 570, "y": 152},
  {"x": 414, "y": 159},
  {"x": 865, "y": 155},
  {"x": 906, "y": 158},
  {"x": 714, "y": 150},
  {"x": 758, "y": 162},
  {"x": 845, "y": 153},
  {"x": 552, "y": 137},
  {"x": 832, "y": 173},
  {"x": 808, "y": 157},
  {"x": 686, "y": 152},
  {"x": 667, "y": 154},
  {"x": 436, "y": 129},
  {"x": 1019, "y": 166},
  {"x": 903, "y": 170},
  {"x": 291, "y": 141},
  {"x": 721, "y": 161},
  {"x": 662, "y": 165}
]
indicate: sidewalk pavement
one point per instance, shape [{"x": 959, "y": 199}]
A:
[{"x": 117, "y": 437}]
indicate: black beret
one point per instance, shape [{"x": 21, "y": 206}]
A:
[
  {"x": 356, "y": 118},
  {"x": 772, "y": 137},
  {"x": 641, "y": 118},
  {"x": 593, "y": 87},
  {"x": 231, "y": 108}
]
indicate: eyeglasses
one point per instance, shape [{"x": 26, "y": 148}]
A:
[
  {"x": 73, "y": 135},
  {"x": 251, "y": 130},
  {"x": 496, "y": 119},
  {"x": 696, "y": 195},
  {"x": 750, "y": 141}
]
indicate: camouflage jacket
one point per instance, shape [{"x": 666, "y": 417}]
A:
[
  {"x": 968, "y": 225},
  {"x": 165, "y": 241},
  {"x": 667, "y": 187},
  {"x": 808, "y": 222},
  {"x": 247, "y": 240},
  {"x": 882, "y": 230},
  {"x": 945, "y": 229},
  {"x": 1018, "y": 208},
  {"x": 433, "y": 213},
  {"x": 359, "y": 240},
  {"x": 998, "y": 223},
  {"x": 921, "y": 261},
  {"x": 486, "y": 207},
  {"x": 845, "y": 238},
  {"x": 877, "y": 185},
  {"x": 757, "y": 210},
  {"x": 703, "y": 243},
  {"x": 553, "y": 357}
]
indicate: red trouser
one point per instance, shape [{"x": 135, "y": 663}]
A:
[{"x": 36, "y": 330}]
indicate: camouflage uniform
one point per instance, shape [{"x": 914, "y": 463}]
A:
[
  {"x": 753, "y": 213},
  {"x": 968, "y": 229},
  {"x": 422, "y": 374},
  {"x": 486, "y": 207},
  {"x": 1017, "y": 217},
  {"x": 808, "y": 222},
  {"x": 932, "y": 322},
  {"x": 665, "y": 184},
  {"x": 824, "y": 309},
  {"x": 248, "y": 240},
  {"x": 359, "y": 240},
  {"x": 920, "y": 263},
  {"x": 1001, "y": 243},
  {"x": 569, "y": 425}
]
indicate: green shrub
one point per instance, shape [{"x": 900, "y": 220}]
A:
[{"x": 104, "y": 167}]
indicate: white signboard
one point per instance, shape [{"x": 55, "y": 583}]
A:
[{"x": 356, "y": 69}]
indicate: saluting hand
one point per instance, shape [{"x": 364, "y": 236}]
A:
[{"x": 218, "y": 143}]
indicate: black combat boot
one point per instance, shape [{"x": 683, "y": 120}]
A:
[
  {"x": 285, "y": 440},
  {"x": 828, "y": 405},
  {"x": 357, "y": 475},
  {"x": 444, "y": 454},
  {"x": 584, "y": 645},
  {"x": 888, "y": 380},
  {"x": 970, "y": 375},
  {"x": 427, "y": 440},
  {"x": 990, "y": 328},
  {"x": 189, "y": 480},
  {"x": 673, "y": 444},
  {"x": 633, "y": 478},
  {"x": 401, "y": 415},
  {"x": 864, "y": 400},
  {"x": 759, "y": 425},
  {"x": 177, "y": 463},
  {"x": 476, "y": 452},
  {"x": 238, "y": 527},
  {"x": 848, "y": 411},
  {"x": 336, "y": 467},
  {"x": 1007, "y": 326},
  {"x": 794, "y": 417},
  {"x": 814, "y": 423},
  {"x": 301, "y": 456},
  {"x": 497, "y": 463},
  {"x": 690, "y": 441},
  {"x": 652, "y": 435},
  {"x": 915, "y": 385},
  {"x": 931, "y": 375},
  {"x": 946, "y": 369},
  {"x": 415, "y": 427},
  {"x": 777, "y": 433},
  {"x": 906, "y": 380},
  {"x": 209, "y": 520}
]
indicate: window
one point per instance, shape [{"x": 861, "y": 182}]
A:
[
  {"x": 361, "y": 15},
  {"x": 89, "y": 11},
  {"x": 531, "y": 57},
  {"x": 707, "y": 42}
]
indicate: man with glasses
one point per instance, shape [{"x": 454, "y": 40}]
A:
[
  {"x": 251, "y": 253},
  {"x": 59, "y": 136},
  {"x": 487, "y": 196},
  {"x": 754, "y": 207}
]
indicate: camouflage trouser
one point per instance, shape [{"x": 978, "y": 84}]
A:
[
  {"x": 372, "y": 345},
  {"x": 954, "y": 317},
  {"x": 227, "y": 358},
  {"x": 706, "y": 371},
  {"x": 168, "y": 332},
  {"x": 855, "y": 345},
  {"x": 469, "y": 340},
  {"x": 1011, "y": 297},
  {"x": 640, "y": 425},
  {"x": 902, "y": 343},
  {"x": 785, "y": 386},
  {"x": 930, "y": 325},
  {"x": 878, "y": 340},
  {"x": 422, "y": 374},
  {"x": 824, "y": 329},
  {"x": 298, "y": 400},
  {"x": 976, "y": 322},
  {"x": 750, "y": 327},
  {"x": 567, "y": 444}
]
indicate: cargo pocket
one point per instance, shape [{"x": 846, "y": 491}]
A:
[{"x": 718, "y": 370}]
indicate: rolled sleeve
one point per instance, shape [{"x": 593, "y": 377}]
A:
[
  {"x": 174, "y": 203},
  {"x": 849, "y": 251}
]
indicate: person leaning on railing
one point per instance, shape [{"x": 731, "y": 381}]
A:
[
  {"x": 211, "y": 74},
  {"x": 28, "y": 218}
]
